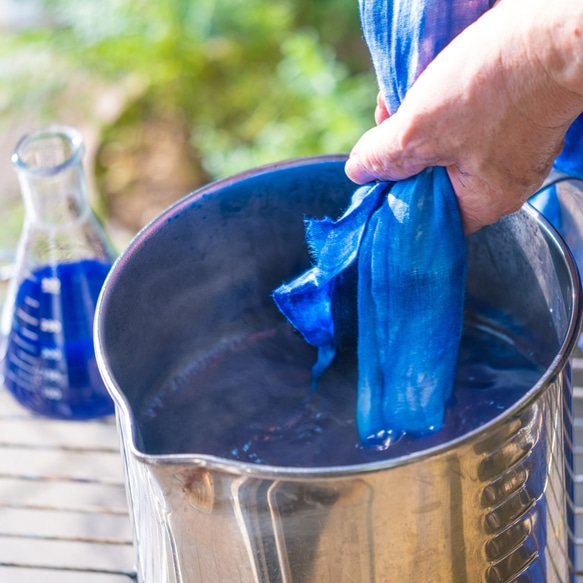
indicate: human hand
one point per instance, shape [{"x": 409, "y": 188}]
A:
[
  {"x": 381, "y": 113},
  {"x": 493, "y": 107}
]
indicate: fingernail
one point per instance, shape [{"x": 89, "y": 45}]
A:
[{"x": 356, "y": 172}]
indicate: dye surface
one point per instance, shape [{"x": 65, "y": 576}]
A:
[
  {"x": 50, "y": 361},
  {"x": 251, "y": 401}
]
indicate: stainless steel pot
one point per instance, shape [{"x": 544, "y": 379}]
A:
[{"x": 491, "y": 506}]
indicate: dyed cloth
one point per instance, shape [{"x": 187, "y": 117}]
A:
[
  {"x": 405, "y": 245},
  {"x": 570, "y": 160}
]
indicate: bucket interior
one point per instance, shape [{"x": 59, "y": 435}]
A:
[{"x": 201, "y": 276}]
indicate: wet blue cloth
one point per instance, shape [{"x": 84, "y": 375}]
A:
[
  {"x": 411, "y": 280},
  {"x": 408, "y": 244},
  {"x": 307, "y": 301},
  {"x": 570, "y": 160},
  {"x": 569, "y": 163}
]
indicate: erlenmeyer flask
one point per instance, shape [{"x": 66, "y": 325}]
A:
[{"x": 62, "y": 260}]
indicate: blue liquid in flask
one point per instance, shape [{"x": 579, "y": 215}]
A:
[
  {"x": 63, "y": 258},
  {"x": 49, "y": 363}
]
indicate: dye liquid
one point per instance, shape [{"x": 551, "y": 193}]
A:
[
  {"x": 49, "y": 364},
  {"x": 251, "y": 401}
]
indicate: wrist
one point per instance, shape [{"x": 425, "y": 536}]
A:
[{"x": 555, "y": 36}]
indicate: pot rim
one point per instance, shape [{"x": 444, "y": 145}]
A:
[{"x": 124, "y": 412}]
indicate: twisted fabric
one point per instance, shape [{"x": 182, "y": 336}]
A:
[{"x": 405, "y": 244}]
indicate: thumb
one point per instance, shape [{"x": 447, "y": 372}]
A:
[{"x": 381, "y": 155}]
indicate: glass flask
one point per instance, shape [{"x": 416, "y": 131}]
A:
[{"x": 62, "y": 260}]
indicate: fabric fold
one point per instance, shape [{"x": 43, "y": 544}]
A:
[
  {"x": 307, "y": 301},
  {"x": 407, "y": 243},
  {"x": 404, "y": 243},
  {"x": 412, "y": 270}
]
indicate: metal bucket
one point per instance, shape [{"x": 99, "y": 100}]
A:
[{"x": 493, "y": 505}]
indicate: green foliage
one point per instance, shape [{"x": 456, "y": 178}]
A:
[
  {"x": 311, "y": 105},
  {"x": 254, "y": 80}
]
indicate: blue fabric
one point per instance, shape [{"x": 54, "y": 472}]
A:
[
  {"x": 411, "y": 279},
  {"x": 407, "y": 242},
  {"x": 570, "y": 160},
  {"x": 307, "y": 301},
  {"x": 546, "y": 201},
  {"x": 404, "y": 36}
]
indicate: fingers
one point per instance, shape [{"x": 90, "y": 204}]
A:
[
  {"x": 357, "y": 172},
  {"x": 495, "y": 121},
  {"x": 380, "y": 155},
  {"x": 492, "y": 120},
  {"x": 381, "y": 113}
]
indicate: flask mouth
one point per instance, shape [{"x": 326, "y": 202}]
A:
[{"x": 48, "y": 150}]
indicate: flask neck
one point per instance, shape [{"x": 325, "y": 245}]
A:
[{"x": 51, "y": 176}]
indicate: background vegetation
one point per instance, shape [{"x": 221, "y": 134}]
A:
[{"x": 185, "y": 91}]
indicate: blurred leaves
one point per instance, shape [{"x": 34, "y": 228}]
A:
[
  {"x": 258, "y": 73},
  {"x": 252, "y": 81}
]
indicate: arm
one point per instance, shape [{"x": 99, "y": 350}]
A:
[{"x": 493, "y": 107}]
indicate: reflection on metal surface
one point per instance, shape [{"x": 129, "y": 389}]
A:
[{"x": 199, "y": 490}]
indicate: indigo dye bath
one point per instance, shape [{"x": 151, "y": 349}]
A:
[{"x": 250, "y": 400}]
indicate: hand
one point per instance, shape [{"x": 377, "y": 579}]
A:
[
  {"x": 493, "y": 107},
  {"x": 381, "y": 113}
]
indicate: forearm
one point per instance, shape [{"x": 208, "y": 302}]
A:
[
  {"x": 554, "y": 31},
  {"x": 550, "y": 37}
]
